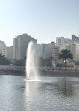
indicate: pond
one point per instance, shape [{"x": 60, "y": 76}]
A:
[{"x": 48, "y": 94}]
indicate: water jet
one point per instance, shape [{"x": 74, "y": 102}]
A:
[{"x": 31, "y": 62}]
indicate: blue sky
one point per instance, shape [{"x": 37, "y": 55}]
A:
[{"x": 42, "y": 19}]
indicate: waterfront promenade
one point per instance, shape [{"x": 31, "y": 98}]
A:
[
  {"x": 12, "y": 67},
  {"x": 20, "y": 71}
]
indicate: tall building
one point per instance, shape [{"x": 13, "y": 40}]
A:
[
  {"x": 61, "y": 41},
  {"x": 49, "y": 49},
  {"x": 38, "y": 50},
  {"x": 2, "y": 48},
  {"x": 45, "y": 50},
  {"x": 20, "y": 44},
  {"x": 9, "y": 52}
]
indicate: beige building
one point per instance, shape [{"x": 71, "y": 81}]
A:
[
  {"x": 9, "y": 52},
  {"x": 63, "y": 47},
  {"x": 76, "y": 53},
  {"x": 55, "y": 53}
]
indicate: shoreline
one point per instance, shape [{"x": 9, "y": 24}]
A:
[
  {"x": 42, "y": 73},
  {"x": 61, "y": 73}
]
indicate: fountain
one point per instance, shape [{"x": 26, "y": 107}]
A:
[{"x": 31, "y": 62}]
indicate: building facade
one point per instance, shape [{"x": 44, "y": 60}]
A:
[
  {"x": 61, "y": 41},
  {"x": 49, "y": 49},
  {"x": 55, "y": 53},
  {"x": 20, "y": 45},
  {"x": 43, "y": 51},
  {"x": 76, "y": 52},
  {"x": 9, "y": 52},
  {"x": 2, "y": 48},
  {"x": 74, "y": 48},
  {"x": 46, "y": 50}
]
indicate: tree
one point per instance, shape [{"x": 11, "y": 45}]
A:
[
  {"x": 46, "y": 61},
  {"x": 19, "y": 62},
  {"x": 3, "y": 60},
  {"x": 65, "y": 54}
]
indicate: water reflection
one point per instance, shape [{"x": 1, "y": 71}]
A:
[
  {"x": 75, "y": 88},
  {"x": 31, "y": 94},
  {"x": 57, "y": 95},
  {"x": 68, "y": 88},
  {"x": 65, "y": 87},
  {"x": 58, "y": 92}
]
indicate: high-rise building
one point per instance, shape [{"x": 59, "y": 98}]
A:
[
  {"x": 45, "y": 50},
  {"x": 20, "y": 44},
  {"x": 2, "y": 48},
  {"x": 49, "y": 49}
]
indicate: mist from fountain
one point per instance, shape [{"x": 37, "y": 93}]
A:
[{"x": 31, "y": 62}]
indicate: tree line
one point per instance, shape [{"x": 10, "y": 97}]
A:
[{"x": 64, "y": 55}]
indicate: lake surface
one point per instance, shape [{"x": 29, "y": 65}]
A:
[{"x": 48, "y": 94}]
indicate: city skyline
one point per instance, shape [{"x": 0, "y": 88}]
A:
[
  {"x": 20, "y": 44},
  {"x": 25, "y": 34},
  {"x": 43, "y": 20}
]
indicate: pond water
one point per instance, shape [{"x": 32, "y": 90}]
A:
[{"x": 48, "y": 94}]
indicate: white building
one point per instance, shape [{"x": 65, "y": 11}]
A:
[
  {"x": 46, "y": 50},
  {"x": 20, "y": 44},
  {"x": 49, "y": 49},
  {"x": 61, "y": 41}
]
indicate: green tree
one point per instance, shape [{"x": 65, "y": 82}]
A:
[
  {"x": 19, "y": 62},
  {"x": 46, "y": 61},
  {"x": 3, "y": 60},
  {"x": 65, "y": 54}
]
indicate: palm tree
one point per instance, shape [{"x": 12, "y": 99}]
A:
[{"x": 65, "y": 54}]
